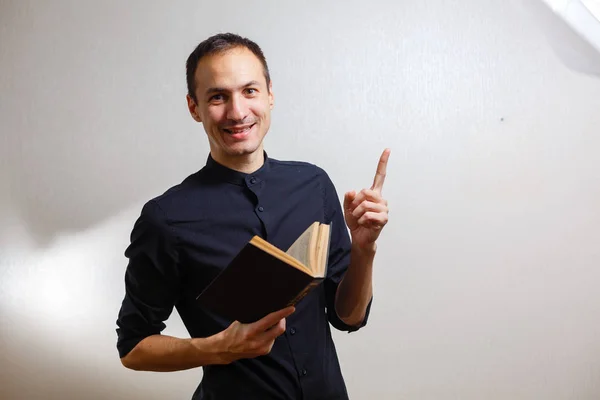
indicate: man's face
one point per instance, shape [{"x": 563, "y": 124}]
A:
[{"x": 233, "y": 103}]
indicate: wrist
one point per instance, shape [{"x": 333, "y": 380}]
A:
[
  {"x": 368, "y": 250},
  {"x": 213, "y": 348}
]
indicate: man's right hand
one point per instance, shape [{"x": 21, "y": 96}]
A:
[
  {"x": 166, "y": 353},
  {"x": 255, "y": 339}
]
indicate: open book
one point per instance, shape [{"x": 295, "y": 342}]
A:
[{"x": 262, "y": 278}]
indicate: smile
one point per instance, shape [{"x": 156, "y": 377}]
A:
[{"x": 238, "y": 130}]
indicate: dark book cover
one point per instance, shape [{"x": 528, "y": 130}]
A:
[{"x": 255, "y": 284}]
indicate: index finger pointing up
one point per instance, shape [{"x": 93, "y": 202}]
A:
[{"x": 381, "y": 171}]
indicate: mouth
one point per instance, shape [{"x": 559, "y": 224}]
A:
[{"x": 238, "y": 130}]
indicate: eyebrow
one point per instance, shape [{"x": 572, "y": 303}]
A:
[{"x": 219, "y": 90}]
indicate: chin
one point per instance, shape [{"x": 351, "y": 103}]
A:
[{"x": 243, "y": 150}]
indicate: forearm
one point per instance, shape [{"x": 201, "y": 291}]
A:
[
  {"x": 161, "y": 353},
  {"x": 356, "y": 288}
]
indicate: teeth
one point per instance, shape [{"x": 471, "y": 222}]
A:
[{"x": 238, "y": 130}]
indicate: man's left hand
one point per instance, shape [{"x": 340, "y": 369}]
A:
[{"x": 366, "y": 212}]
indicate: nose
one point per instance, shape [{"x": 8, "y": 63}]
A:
[{"x": 237, "y": 109}]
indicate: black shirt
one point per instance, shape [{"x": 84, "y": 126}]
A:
[{"x": 186, "y": 236}]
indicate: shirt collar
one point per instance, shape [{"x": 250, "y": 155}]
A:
[{"x": 223, "y": 173}]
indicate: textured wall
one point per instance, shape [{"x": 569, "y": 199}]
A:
[{"x": 486, "y": 277}]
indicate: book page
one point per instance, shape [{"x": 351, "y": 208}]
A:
[
  {"x": 280, "y": 254},
  {"x": 303, "y": 248},
  {"x": 322, "y": 249}
]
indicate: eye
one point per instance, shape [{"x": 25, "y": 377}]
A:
[
  {"x": 251, "y": 91},
  {"x": 217, "y": 98}
]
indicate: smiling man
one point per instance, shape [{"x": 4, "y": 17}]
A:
[
  {"x": 186, "y": 236},
  {"x": 231, "y": 94}
]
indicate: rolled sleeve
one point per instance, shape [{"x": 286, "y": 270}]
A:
[
  {"x": 152, "y": 280},
  {"x": 339, "y": 254}
]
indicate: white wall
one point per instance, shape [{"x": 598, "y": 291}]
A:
[{"x": 487, "y": 274}]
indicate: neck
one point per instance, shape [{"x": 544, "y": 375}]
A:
[{"x": 247, "y": 163}]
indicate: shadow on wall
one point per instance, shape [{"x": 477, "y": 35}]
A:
[
  {"x": 92, "y": 129},
  {"x": 67, "y": 186},
  {"x": 57, "y": 333},
  {"x": 43, "y": 364}
]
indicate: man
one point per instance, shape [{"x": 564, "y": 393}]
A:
[{"x": 186, "y": 236}]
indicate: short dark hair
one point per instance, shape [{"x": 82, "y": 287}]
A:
[{"x": 218, "y": 44}]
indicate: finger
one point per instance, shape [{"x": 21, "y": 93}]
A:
[
  {"x": 381, "y": 171},
  {"x": 272, "y": 319},
  {"x": 367, "y": 194},
  {"x": 368, "y": 206},
  {"x": 373, "y": 219},
  {"x": 274, "y": 332},
  {"x": 264, "y": 341},
  {"x": 348, "y": 199},
  {"x": 267, "y": 339}
]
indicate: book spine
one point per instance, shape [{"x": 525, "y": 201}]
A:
[{"x": 304, "y": 292}]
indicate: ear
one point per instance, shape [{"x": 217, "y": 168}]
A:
[
  {"x": 193, "y": 108},
  {"x": 271, "y": 98}
]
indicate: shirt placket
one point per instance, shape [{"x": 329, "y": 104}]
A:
[{"x": 257, "y": 187}]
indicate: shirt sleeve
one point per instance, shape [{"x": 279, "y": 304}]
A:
[
  {"x": 339, "y": 254},
  {"x": 152, "y": 280}
]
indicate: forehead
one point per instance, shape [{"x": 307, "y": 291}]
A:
[{"x": 229, "y": 69}]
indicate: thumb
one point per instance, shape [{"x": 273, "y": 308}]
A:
[{"x": 348, "y": 199}]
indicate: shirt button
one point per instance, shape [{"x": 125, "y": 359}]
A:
[
  {"x": 304, "y": 372},
  {"x": 261, "y": 209},
  {"x": 253, "y": 180},
  {"x": 293, "y": 331}
]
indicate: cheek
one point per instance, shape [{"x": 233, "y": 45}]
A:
[
  {"x": 215, "y": 115},
  {"x": 261, "y": 110}
]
